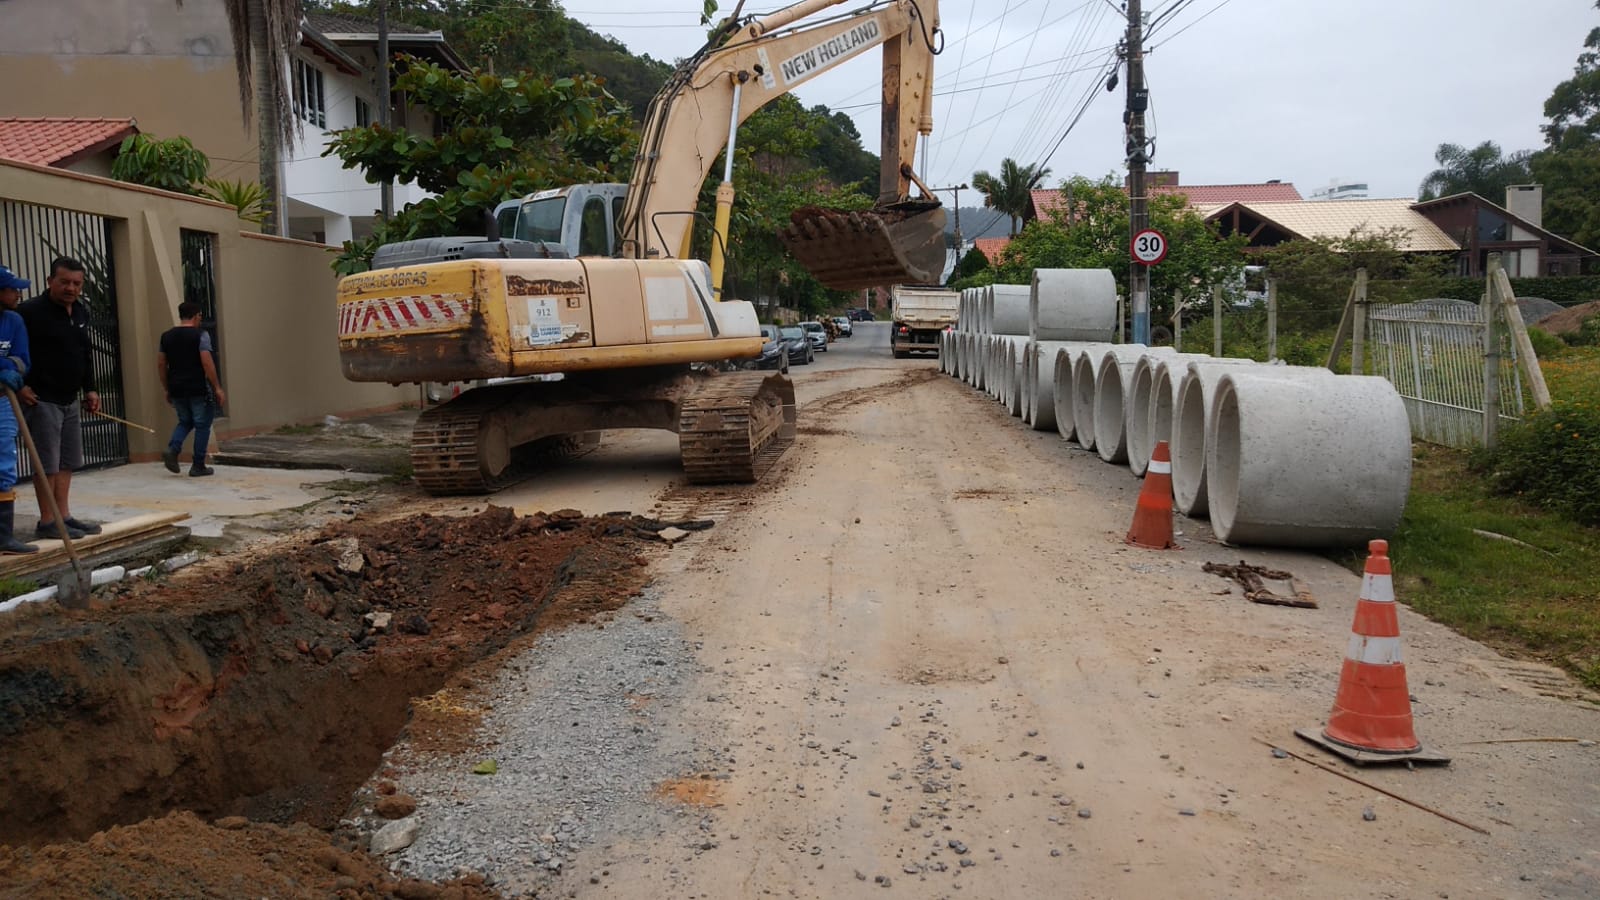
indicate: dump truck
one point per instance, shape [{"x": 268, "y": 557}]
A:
[
  {"x": 594, "y": 284},
  {"x": 920, "y": 314}
]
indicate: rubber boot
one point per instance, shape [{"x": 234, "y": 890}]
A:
[{"x": 8, "y": 540}]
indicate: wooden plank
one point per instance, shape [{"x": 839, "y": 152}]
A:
[{"x": 52, "y": 552}]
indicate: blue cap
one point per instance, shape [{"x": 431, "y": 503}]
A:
[{"x": 9, "y": 279}]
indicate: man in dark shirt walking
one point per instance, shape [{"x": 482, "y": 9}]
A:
[
  {"x": 58, "y": 337},
  {"x": 189, "y": 376}
]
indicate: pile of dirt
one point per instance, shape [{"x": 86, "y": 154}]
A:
[
  {"x": 1570, "y": 319},
  {"x": 270, "y": 687},
  {"x": 179, "y": 856}
]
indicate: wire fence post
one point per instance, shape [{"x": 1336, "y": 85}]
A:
[
  {"x": 1519, "y": 334},
  {"x": 1216, "y": 320},
  {"x": 1488, "y": 308},
  {"x": 1358, "y": 330},
  {"x": 1272, "y": 319},
  {"x": 1177, "y": 321},
  {"x": 1122, "y": 331}
]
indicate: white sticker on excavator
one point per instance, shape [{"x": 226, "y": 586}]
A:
[
  {"x": 544, "y": 322},
  {"x": 830, "y": 52}
]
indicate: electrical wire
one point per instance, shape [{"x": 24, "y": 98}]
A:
[
  {"x": 990, "y": 63},
  {"x": 1013, "y": 92},
  {"x": 1191, "y": 24}
]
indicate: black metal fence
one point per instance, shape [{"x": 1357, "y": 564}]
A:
[
  {"x": 31, "y": 236},
  {"x": 200, "y": 282}
]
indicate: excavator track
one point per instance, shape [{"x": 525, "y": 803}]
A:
[
  {"x": 457, "y": 448},
  {"x": 733, "y": 427}
]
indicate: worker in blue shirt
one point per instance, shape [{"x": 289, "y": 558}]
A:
[{"x": 13, "y": 365}]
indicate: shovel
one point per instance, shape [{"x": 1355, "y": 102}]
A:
[{"x": 73, "y": 594}]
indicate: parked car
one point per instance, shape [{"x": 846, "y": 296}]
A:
[
  {"x": 818, "y": 335},
  {"x": 860, "y": 314},
  {"x": 801, "y": 351},
  {"x": 845, "y": 328},
  {"x": 775, "y": 352}
]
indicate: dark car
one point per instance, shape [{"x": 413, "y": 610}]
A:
[
  {"x": 860, "y": 314},
  {"x": 801, "y": 352},
  {"x": 774, "y": 353}
]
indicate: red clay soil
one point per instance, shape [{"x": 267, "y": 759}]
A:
[
  {"x": 258, "y": 688},
  {"x": 1570, "y": 319}
]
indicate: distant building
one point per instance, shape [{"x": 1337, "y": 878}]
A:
[
  {"x": 1166, "y": 181},
  {"x": 1339, "y": 189}
]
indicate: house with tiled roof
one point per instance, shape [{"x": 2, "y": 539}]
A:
[
  {"x": 991, "y": 247},
  {"x": 61, "y": 142},
  {"x": 1466, "y": 227},
  {"x": 170, "y": 67},
  {"x": 1052, "y": 200}
]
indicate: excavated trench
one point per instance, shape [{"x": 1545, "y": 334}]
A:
[{"x": 264, "y": 688}]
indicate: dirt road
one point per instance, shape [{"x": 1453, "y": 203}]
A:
[
  {"x": 917, "y": 660},
  {"x": 929, "y": 664}
]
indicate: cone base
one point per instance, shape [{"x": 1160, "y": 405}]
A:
[{"x": 1423, "y": 754}]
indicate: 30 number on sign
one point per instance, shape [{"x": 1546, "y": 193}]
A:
[{"x": 1149, "y": 247}]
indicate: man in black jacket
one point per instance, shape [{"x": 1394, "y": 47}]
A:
[
  {"x": 58, "y": 338},
  {"x": 188, "y": 373}
]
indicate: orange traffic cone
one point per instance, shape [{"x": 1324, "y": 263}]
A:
[
  {"x": 1371, "y": 718},
  {"x": 1152, "y": 517}
]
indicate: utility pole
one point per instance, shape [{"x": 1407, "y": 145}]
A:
[
  {"x": 1139, "y": 213},
  {"x": 957, "y": 189},
  {"x": 386, "y": 191}
]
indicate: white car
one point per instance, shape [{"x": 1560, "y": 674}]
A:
[
  {"x": 817, "y": 334},
  {"x": 845, "y": 328}
]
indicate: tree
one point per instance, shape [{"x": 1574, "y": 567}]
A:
[
  {"x": 173, "y": 164},
  {"x": 1097, "y": 238},
  {"x": 1481, "y": 170},
  {"x": 1012, "y": 192},
  {"x": 264, "y": 32},
  {"x": 507, "y": 136},
  {"x": 1569, "y": 165},
  {"x": 493, "y": 35}
]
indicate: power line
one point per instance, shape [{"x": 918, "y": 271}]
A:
[
  {"x": 990, "y": 58},
  {"x": 1037, "y": 127},
  {"x": 1192, "y": 24},
  {"x": 1037, "y": 28}
]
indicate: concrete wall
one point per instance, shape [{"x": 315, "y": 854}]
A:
[{"x": 275, "y": 306}]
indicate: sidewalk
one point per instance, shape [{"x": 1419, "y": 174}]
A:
[{"x": 256, "y": 475}]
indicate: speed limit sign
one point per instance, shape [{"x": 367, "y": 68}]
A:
[{"x": 1149, "y": 247}]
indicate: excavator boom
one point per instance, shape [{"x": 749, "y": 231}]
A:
[{"x": 751, "y": 63}]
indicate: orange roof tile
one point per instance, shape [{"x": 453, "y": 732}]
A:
[
  {"x": 59, "y": 141},
  {"x": 991, "y": 246}
]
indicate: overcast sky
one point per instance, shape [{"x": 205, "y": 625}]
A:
[{"x": 1242, "y": 90}]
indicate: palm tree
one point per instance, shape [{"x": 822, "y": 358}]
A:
[
  {"x": 264, "y": 32},
  {"x": 1012, "y": 192},
  {"x": 1481, "y": 170}
]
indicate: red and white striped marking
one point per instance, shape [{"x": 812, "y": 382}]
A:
[{"x": 419, "y": 312}]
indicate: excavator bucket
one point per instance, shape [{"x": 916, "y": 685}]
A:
[{"x": 900, "y": 243}]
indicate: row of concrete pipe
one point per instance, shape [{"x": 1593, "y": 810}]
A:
[{"x": 1273, "y": 454}]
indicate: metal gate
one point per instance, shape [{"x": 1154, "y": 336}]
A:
[
  {"x": 200, "y": 282},
  {"x": 1432, "y": 352},
  {"x": 31, "y": 237}
]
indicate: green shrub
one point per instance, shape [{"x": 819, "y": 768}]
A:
[
  {"x": 1587, "y": 335},
  {"x": 1549, "y": 459},
  {"x": 1545, "y": 344}
]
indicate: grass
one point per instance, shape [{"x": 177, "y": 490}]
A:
[
  {"x": 298, "y": 429},
  {"x": 1544, "y": 602},
  {"x": 16, "y": 587}
]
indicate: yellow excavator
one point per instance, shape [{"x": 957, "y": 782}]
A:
[{"x": 590, "y": 308}]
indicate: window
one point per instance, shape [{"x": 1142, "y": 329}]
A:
[
  {"x": 363, "y": 113},
  {"x": 593, "y": 239},
  {"x": 540, "y": 220},
  {"x": 310, "y": 103}
]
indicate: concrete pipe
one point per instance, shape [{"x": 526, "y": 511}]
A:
[
  {"x": 1010, "y": 308},
  {"x": 1085, "y": 371},
  {"x": 1111, "y": 398},
  {"x": 1072, "y": 305},
  {"x": 986, "y": 309},
  {"x": 1307, "y": 462},
  {"x": 1017, "y": 356},
  {"x": 1040, "y": 381},
  {"x": 1141, "y": 399},
  {"x": 1064, "y": 385},
  {"x": 1191, "y": 424}
]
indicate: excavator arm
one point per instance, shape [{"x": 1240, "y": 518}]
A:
[{"x": 751, "y": 62}]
